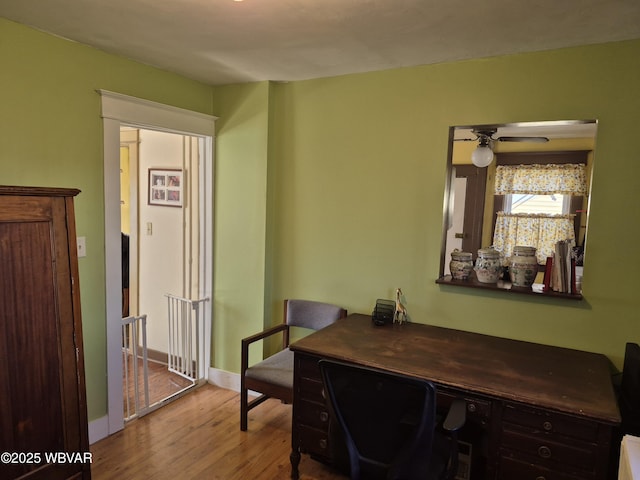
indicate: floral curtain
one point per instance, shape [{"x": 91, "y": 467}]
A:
[
  {"x": 539, "y": 179},
  {"x": 535, "y": 230}
]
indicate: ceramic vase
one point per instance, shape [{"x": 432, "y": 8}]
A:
[
  {"x": 461, "y": 264},
  {"x": 523, "y": 266},
  {"x": 488, "y": 265}
]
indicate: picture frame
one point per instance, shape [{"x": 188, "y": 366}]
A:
[{"x": 166, "y": 187}]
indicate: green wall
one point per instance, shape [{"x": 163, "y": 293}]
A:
[
  {"x": 332, "y": 189},
  {"x": 358, "y": 190},
  {"x": 240, "y": 256},
  {"x": 51, "y": 134}
]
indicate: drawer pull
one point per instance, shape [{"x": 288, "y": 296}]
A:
[
  {"x": 472, "y": 407},
  {"x": 544, "y": 451},
  {"x": 541, "y": 478},
  {"x": 548, "y": 426},
  {"x": 323, "y": 443},
  {"x": 324, "y": 416}
]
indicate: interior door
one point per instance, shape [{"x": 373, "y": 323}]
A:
[{"x": 465, "y": 232}]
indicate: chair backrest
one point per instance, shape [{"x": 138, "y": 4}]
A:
[
  {"x": 310, "y": 314},
  {"x": 388, "y": 420},
  {"x": 630, "y": 390}
]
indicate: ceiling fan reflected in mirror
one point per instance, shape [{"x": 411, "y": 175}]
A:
[{"x": 483, "y": 155}]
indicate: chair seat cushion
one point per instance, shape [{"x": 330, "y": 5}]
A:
[{"x": 276, "y": 369}]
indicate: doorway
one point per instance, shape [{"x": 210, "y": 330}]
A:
[
  {"x": 118, "y": 111},
  {"x": 159, "y": 197}
]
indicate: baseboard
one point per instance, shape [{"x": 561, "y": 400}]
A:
[
  {"x": 98, "y": 429},
  {"x": 155, "y": 355},
  {"x": 159, "y": 357},
  {"x": 224, "y": 379}
]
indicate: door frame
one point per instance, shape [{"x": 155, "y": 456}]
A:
[
  {"x": 117, "y": 110},
  {"x": 474, "y": 206}
]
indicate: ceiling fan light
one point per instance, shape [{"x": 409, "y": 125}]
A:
[{"x": 482, "y": 156}]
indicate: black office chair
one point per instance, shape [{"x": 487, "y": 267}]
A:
[{"x": 389, "y": 423}]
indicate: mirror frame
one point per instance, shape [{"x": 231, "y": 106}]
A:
[{"x": 543, "y": 127}]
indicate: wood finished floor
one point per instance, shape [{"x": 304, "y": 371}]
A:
[
  {"x": 198, "y": 437},
  {"x": 162, "y": 383}
]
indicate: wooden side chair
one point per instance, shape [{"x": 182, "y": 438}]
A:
[{"x": 273, "y": 376}]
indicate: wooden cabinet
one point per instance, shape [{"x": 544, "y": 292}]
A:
[{"x": 43, "y": 415}]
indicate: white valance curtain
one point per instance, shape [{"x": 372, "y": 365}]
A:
[
  {"x": 536, "y": 230},
  {"x": 539, "y": 179}
]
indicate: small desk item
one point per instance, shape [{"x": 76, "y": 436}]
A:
[
  {"x": 533, "y": 411},
  {"x": 383, "y": 312}
]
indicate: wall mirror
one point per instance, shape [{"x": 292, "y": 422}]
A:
[{"x": 519, "y": 185}]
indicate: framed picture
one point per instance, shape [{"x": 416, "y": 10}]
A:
[{"x": 166, "y": 187}]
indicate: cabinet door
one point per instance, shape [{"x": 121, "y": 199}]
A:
[{"x": 42, "y": 404}]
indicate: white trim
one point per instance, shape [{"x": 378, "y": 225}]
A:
[
  {"x": 206, "y": 209},
  {"x": 224, "y": 379},
  {"x": 113, "y": 274},
  {"x": 98, "y": 429},
  {"x": 157, "y": 116},
  {"x": 120, "y": 109}
]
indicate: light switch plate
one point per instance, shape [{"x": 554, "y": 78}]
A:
[{"x": 82, "y": 246}]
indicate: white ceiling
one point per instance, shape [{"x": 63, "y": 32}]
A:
[
  {"x": 549, "y": 129},
  {"x": 226, "y": 41}
]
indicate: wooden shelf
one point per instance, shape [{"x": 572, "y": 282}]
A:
[{"x": 503, "y": 286}]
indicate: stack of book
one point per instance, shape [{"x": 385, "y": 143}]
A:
[{"x": 560, "y": 270}]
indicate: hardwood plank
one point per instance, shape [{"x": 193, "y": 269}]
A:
[{"x": 198, "y": 436}]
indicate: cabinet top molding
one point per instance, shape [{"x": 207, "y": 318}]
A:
[{"x": 39, "y": 191}]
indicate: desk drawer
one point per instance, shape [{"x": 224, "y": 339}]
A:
[
  {"x": 544, "y": 450},
  {"x": 476, "y": 407},
  {"x": 310, "y": 390},
  {"x": 550, "y": 422},
  {"x": 307, "y": 367},
  {"x": 308, "y": 379},
  {"x": 313, "y": 414},
  {"x": 511, "y": 468},
  {"x": 314, "y": 442}
]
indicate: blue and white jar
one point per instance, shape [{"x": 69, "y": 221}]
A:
[
  {"x": 461, "y": 264},
  {"x": 488, "y": 265},
  {"x": 523, "y": 266}
]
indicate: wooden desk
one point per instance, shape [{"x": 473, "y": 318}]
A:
[{"x": 534, "y": 411}]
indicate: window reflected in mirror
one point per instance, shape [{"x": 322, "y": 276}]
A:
[{"x": 524, "y": 184}]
